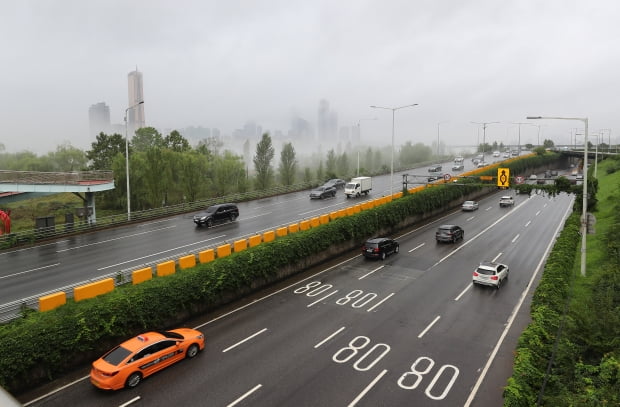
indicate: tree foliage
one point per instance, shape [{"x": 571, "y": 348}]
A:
[
  {"x": 262, "y": 162},
  {"x": 104, "y": 149},
  {"x": 288, "y": 164}
]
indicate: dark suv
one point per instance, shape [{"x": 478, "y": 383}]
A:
[
  {"x": 379, "y": 247},
  {"x": 217, "y": 214},
  {"x": 449, "y": 233}
]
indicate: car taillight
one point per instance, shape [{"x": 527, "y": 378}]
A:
[
  {"x": 476, "y": 274},
  {"x": 106, "y": 374},
  {"x": 493, "y": 277}
]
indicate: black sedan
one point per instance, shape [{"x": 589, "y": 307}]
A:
[
  {"x": 323, "y": 192},
  {"x": 335, "y": 182}
]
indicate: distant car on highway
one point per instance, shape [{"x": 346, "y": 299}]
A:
[
  {"x": 458, "y": 167},
  {"x": 449, "y": 233},
  {"x": 139, "y": 357},
  {"x": 217, "y": 214},
  {"x": 435, "y": 177},
  {"x": 506, "y": 155},
  {"x": 434, "y": 168},
  {"x": 335, "y": 182},
  {"x": 379, "y": 248},
  {"x": 490, "y": 273},
  {"x": 323, "y": 192},
  {"x": 469, "y": 206},
  {"x": 495, "y": 153},
  {"x": 506, "y": 200}
]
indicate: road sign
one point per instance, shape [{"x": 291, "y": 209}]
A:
[
  {"x": 503, "y": 177},
  {"x": 446, "y": 177},
  {"x": 519, "y": 180}
]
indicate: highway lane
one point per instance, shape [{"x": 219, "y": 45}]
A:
[
  {"x": 407, "y": 331},
  {"x": 88, "y": 257}
]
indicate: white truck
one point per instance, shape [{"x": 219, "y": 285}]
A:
[{"x": 358, "y": 186}]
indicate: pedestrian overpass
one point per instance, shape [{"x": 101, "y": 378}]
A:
[{"x": 20, "y": 185}]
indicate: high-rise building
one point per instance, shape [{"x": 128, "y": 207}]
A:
[
  {"x": 99, "y": 119},
  {"x": 327, "y": 122},
  {"x": 135, "y": 115}
]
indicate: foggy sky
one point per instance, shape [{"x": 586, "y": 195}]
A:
[{"x": 222, "y": 63}]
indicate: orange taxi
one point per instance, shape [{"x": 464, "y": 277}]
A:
[{"x": 141, "y": 356}]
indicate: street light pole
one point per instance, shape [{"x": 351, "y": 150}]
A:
[
  {"x": 519, "y": 149},
  {"x": 393, "y": 109},
  {"x": 127, "y": 161},
  {"x": 584, "y": 204},
  {"x": 484, "y": 135},
  {"x": 438, "y": 138}
]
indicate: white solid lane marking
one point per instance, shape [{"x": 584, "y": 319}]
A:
[
  {"x": 255, "y": 216},
  {"x": 367, "y": 274},
  {"x": 321, "y": 299},
  {"x": 497, "y": 257},
  {"x": 367, "y": 389},
  {"x": 429, "y": 327},
  {"x": 516, "y": 237},
  {"x": 528, "y": 223},
  {"x": 379, "y": 303},
  {"x": 417, "y": 247},
  {"x": 116, "y": 238},
  {"x": 158, "y": 253},
  {"x": 458, "y": 297},
  {"x": 244, "y": 340},
  {"x": 29, "y": 271},
  {"x": 127, "y": 403},
  {"x": 329, "y": 337},
  {"x": 537, "y": 213},
  {"x": 240, "y": 399}
]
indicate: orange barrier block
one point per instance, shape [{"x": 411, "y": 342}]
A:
[
  {"x": 269, "y": 236},
  {"x": 91, "y": 290},
  {"x": 283, "y": 231},
  {"x": 304, "y": 225},
  {"x": 357, "y": 208},
  {"x": 294, "y": 227},
  {"x": 350, "y": 211},
  {"x": 224, "y": 250},
  {"x": 333, "y": 215},
  {"x": 370, "y": 204},
  {"x": 314, "y": 222},
  {"x": 324, "y": 219},
  {"x": 188, "y": 261},
  {"x": 240, "y": 245},
  {"x": 255, "y": 240},
  {"x": 166, "y": 268},
  {"x": 342, "y": 213},
  {"x": 51, "y": 301},
  {"x": 364, "y": 206},
  {"x": 142, "y": 275},
  {"x": 206, "y": 256}
]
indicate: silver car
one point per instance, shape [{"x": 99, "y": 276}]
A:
[
  {"x": 490, "y": 273},
  {"x": 469, "y": 205}
]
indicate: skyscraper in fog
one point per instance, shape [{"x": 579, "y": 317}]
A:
[
  {"x": 99, "y": 119},
  {"x": 327, "y": 122},
  {"x": 135, "y": 115}
]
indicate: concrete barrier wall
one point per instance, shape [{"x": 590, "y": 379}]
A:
[
  {"x": 304, "y": 225},
  {"x": 240, "y": 245},
  {"x": 49, "y": 302},
  {"x": 206, "y": 256},
  {"x": 224, "y": 250},
  {"x": 142, "y": 275},
  {"x": 255, "y": 240},
  {"x": 166, "y": 268},
  {"x": 91, "y": 290},
  {"x": 188, "y": 261},
  {"x": 283, "y": 231},
  {"x": 293, "y": 227},
  {"x": 269, "y": 236},
  {"x": 314, "y": 222},
  {"x": 324, "y": 219}
]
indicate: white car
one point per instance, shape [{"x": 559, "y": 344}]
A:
[
  {"x": 495, "y": 153},
  {"x": 490, "y": 273},
  {"x": 469, "y": 205},
  {"x": 506, "y": 200}
]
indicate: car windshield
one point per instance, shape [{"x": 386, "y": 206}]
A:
[
  {"x": 350, "y": 185},
  {"x": 211, "y": 209},
  {"x": 319, "y": 188},
  {"x": 372, "y": 245},
  {"x": 468, "y": 203},
  {"x": 116, "y": 355}
]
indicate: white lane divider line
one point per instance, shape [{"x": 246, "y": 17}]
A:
[
  {"x": 428, "y": 327},
  {"x": 367, "y": 274},
  {"x": 329, "y": 337},
  {"x": 417, "y": 247},
  {"x": 240, "y": 399},
  {"x": 245, "y": 340},
  {"x": 368, "y": 388}
]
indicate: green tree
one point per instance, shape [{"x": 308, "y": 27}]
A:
[
  {"x": 369, "y": 160},
  {"x": 146, "y": 138},
  {"x": 67, "y": 158},
  {"x": 104, "y": 149},
  {"x": 342, "y": 165},
  {"x": 228, "y": 173},
  {"x": 262, "y": 162},
  {"x": 194, "y": 167},
  {"x": 330, "y": 164},
  {"x": 288, "y": 164},
  {"x": 414, "y": 153},
  {"x": 548, "y": 143},
  {"x": 176, "y": 142},
  {"x": 320, "y": 173}
]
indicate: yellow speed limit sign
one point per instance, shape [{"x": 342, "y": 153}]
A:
[{"x": 503, "y": 177}]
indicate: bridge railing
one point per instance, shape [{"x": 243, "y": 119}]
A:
[{"x": 70, "y": 178}]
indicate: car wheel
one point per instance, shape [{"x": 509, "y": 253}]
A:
[
  {"x": 383, "y": 256},
  {"x": 133, "y": 380},
  {"x": 499, "y": 283},
  {"x": 192, "y": 351},
  {"x": 334, "y": 194},
  {"x": 397, "y": 249},
  {"x": 209, "y": 223},
  {"x": 233, "y": 217}
]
